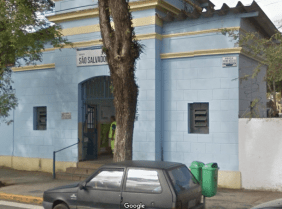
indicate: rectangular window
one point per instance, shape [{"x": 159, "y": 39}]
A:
[
  {"x": 107, "y": 180},
  {"x": 198, "y": 118},
  {"x": 182, "y": 179},
  {"x": 40, "y": 118},
  {"x": 139, "y": 180}
]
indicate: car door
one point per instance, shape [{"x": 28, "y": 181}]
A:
[
  {"x": 146, "y": 188},
  {"x": 102, "y": 191},
  {"x": 187, "y": 189}
]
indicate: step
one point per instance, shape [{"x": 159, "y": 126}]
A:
[
  {"x": 69, "y": 176},
  {"x": 85, "y": 171},
  {"x": 89, "y": 165}
]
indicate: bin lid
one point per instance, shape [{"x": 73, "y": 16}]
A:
[
  {"x": 211, "y": 166},
  {"x": 196, "y": 164}
]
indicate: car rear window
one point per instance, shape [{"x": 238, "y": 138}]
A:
[
  {"x": 182, "y": 179},
  {"x": 139, "y": 180}
]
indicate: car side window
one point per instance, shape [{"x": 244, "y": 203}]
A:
[
  {"x": 106, "y": 180},
  {"x": 182, "y": 179},
  {"x": 139, "y": 180}
]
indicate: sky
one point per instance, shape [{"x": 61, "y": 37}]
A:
[{"x": 272, "y": 8}]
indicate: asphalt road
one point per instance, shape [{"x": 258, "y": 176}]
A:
[{"x": 14, "y": 205}]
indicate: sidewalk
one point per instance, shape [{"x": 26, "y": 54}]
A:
[{"x": 28, "y": 187}]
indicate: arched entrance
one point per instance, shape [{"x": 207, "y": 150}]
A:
[{"x": 97, "y": 108}]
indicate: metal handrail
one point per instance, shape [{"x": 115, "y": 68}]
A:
[{"x": 54, "y": 158}]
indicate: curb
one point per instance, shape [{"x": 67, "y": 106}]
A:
[{"x": 21, "y": 198}]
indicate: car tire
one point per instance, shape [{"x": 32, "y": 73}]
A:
[{"x": 61, "y": 206}]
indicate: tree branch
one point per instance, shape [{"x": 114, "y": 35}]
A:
[
  {"x": 123, "y": 29},
  {"x": 105, "y": 24}
]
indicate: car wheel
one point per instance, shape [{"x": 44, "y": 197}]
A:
[{"x": 61, "y": 206}]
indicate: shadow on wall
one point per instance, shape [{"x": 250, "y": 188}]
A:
[{"x": 260, "y": 153}]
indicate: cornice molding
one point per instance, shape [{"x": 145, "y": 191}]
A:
[
  {"x": 134, "y": 6},
  {"x": 237, "y": 50},
  {"x": 151, "y": 20},
  {"x": 33, "y": 67},
  {"x": 143, "y": 36},
  {"x": 194, "y": 5},
  {"x": 99, "y": 41},
  {"x": 202, "y": 53},
  {"x": 142, "y": 22},
  {"x": 199, "y": 32},
  {"x": 249, "y": 55}
]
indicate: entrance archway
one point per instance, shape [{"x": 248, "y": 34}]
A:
[{"x": 97, "y": 107}]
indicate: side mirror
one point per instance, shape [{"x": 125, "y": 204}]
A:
[{"x": 82, "y": 185}]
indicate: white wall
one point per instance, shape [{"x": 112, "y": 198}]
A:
[{"x": 260, "y": 153}]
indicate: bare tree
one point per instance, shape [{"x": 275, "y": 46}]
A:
[{"x": 122, "y": 51}]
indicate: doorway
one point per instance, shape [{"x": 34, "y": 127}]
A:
[
  {"x": 90, "y": 142},
  {"x": 97, "y": 108}
]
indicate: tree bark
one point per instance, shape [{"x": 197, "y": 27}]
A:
[{"x": 122, "y": 52}]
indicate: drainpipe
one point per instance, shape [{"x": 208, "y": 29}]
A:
[
  {"x": 13, "y": 137},
  {"x": 162, "y": 111},
  {"x": 13, "y": 132}
]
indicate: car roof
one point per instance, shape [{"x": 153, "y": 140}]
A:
[{"x": 144, "y": 164}]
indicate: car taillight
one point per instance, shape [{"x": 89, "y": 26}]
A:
[{"x": 178, "y": 205}]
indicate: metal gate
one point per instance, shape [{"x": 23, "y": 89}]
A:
[
  {"x": 92, "y": 90},
  {"x": 90, "y": 142}
]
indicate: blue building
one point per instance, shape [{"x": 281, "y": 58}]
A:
[{"x": 190, "y": 98}]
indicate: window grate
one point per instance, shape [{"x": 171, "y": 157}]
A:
[
  {"x": 198, "y": 115},
  {"x": 40, "y": 118}
]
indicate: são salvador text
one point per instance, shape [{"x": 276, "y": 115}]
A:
[{"x": 97, "y": 59}]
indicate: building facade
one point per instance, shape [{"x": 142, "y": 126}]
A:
[{"x": 190, "y": 98}]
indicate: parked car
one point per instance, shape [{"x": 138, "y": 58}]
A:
[
  {"x": 274, "y": 204},
  {"x": 130, "y": 184}
]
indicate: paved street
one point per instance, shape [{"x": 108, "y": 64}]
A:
[
  {"x": 14, "y": 205},
  {"x": 33, "y": 184}
]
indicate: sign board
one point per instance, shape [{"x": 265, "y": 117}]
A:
[
  {"x": 229, "y": 61},
  {"x": 66, "y": 115},
  {"x": 91, "y": 57},
  {"x": 105, "y": 112},
  {"x": 85, "y": 139}
]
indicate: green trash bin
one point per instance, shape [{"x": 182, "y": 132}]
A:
[
  {"x": 196, "y": 170},
  {"x": 209, "y": 179}
]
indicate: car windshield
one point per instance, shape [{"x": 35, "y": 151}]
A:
[{"x": 182, "y": 179}]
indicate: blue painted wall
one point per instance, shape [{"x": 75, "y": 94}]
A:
[
  {"x": 59, "y": 90},
  {"x": 6, "y": 136},
  {"x": 165, "y": 89},
  {"x": 200, "y": 79}
]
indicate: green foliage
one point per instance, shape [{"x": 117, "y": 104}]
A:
[
  {"x": 268, "y": 52},
  {"x": 254, "y": 113},
  {"x": 16, "y": 16}
]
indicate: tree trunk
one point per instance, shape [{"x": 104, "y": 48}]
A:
[{"x": 122, "y": 51}]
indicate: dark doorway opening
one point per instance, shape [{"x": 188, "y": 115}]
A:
[{"x": 97, "y": 108}]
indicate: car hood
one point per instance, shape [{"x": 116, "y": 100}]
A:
[
  {"x": 66, "y": 188},
  {"x": 268, "y": 205}
]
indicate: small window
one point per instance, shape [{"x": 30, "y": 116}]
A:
[
  {"x": 40, "y": 118},
  {"x": 182, "y": 179},
  {"x": 107, "y": 180},
  {"x": 139, "y": 180},
  {"x": 198, "y": 115}
]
